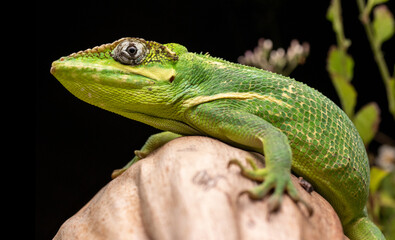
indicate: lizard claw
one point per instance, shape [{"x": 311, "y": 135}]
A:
[
  {"x": 295, "y": 197},
  {"x": 245, "y": 192},
  {"x": 235, "y": 162},
  {"x": 117, "y": 172}
]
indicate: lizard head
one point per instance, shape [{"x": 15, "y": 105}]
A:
[{"x": 128, "y": 72}]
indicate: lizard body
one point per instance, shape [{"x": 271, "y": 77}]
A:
[{"x": 183, "y": 93}]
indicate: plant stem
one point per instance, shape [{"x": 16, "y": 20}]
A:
[
  {"x": 378, "y": 56},
  {"x": 338, "y": 22}
]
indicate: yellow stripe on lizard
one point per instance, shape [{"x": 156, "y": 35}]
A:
[{"x": 232, "y": 95}]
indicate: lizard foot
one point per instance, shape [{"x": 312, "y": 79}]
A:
[
  {"x": 277, "y": 180},
  {"x": 154, "y": 142}
]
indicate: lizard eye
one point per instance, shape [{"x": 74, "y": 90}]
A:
[{"x": 130, "y": 52}]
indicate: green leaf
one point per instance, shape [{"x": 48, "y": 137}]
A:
[
  {"x": 383, "y": 24},
  {"x": 387, "y": 200},
  {"x": 347, "y": 95},
  {"x": 340, "y": 66},
  {"x": 376, "y": 177},
  {"x": 367, "y": 121}
]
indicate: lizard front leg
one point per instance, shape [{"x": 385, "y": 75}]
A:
[
  {"x": 153, "y": 142},
  {"x": 240, "y": 128}
]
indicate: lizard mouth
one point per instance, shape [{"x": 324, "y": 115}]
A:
[
  {"x": 99, "y": 73},
  {"x": 53, "y": 69},
  {"x": 103, "y": 85}
]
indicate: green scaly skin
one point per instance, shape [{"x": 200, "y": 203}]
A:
[{"x": 184, "y": 93}]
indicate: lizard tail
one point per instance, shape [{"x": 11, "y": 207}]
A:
[{"x": 363, "y": 228}]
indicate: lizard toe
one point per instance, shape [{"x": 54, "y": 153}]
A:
[{"x": 257, "y": 174}]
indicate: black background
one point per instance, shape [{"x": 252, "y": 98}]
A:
[{"x": 78, "y": 145}]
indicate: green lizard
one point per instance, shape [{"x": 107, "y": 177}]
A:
[{"x": 184, "y": 93}]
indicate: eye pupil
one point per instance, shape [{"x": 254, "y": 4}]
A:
[{"x": 132, "y": 50}]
